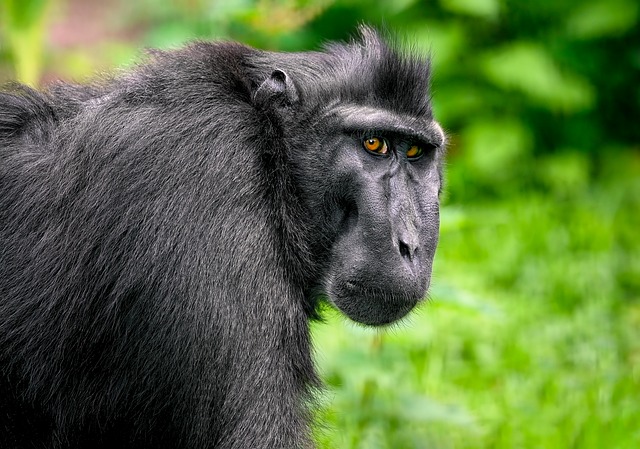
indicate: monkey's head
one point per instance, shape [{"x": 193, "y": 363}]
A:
[{"x": 367, "y": 157}]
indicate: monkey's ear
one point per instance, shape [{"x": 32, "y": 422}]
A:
[{"x": 278, "y": 90}]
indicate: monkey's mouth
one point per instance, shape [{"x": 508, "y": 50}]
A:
[{"x": 371, "y": 305}]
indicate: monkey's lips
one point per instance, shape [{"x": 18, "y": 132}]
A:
[{"x": 374, "y": 305}]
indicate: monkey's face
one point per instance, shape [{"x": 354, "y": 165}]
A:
[
  {"x": 381, "y": 178},
  {"x": 367, "y": 158}
]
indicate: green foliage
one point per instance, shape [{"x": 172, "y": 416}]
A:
[
  {"x": 487, "y": 9},
  {"x": 529, "y": 69},
  {"x": 531, "y": 338},
  {"x": 275, "y": 24},
  {"x": 23, "y": 24},
  {"x": 603, "y": 18}
]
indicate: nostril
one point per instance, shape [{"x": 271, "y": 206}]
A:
[{"x": 405, "y": 251}]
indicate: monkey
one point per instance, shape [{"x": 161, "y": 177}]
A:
[{"x": 168, "y": 234}]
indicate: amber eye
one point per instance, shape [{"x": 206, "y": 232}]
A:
[
  {"x": 376, "y": 145},
  {"x": 414, "y": 152}
]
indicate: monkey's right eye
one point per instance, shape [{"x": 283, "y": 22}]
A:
[{"x": 376, "y": 145}]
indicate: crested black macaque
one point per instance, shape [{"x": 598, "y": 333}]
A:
[{"x": 166, "y": 236}]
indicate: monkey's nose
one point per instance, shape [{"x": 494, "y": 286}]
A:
[{"x": 407, "y": 248}]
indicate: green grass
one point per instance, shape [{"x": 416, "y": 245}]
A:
[{"x": 531, "y": 338}]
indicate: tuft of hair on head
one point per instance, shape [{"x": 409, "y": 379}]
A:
[{"x": 381, "y": 73}]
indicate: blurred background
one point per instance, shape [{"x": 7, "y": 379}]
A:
[{"x": 531, "y": 335}]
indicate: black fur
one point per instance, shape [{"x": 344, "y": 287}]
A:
[{"x": 162, "y": 239}]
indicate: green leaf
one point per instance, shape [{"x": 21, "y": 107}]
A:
[
  {"x": 489, "y": 9},
  {"x": 603, "y": 18},
  {"x": 530, "y": 69}
]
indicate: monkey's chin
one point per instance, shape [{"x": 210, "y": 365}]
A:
[{"x": 374, "y": 309}]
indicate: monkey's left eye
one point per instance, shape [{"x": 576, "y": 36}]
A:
[
  {"x": 414, "y": 152},
  {"x": 376, "y": 145}
]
